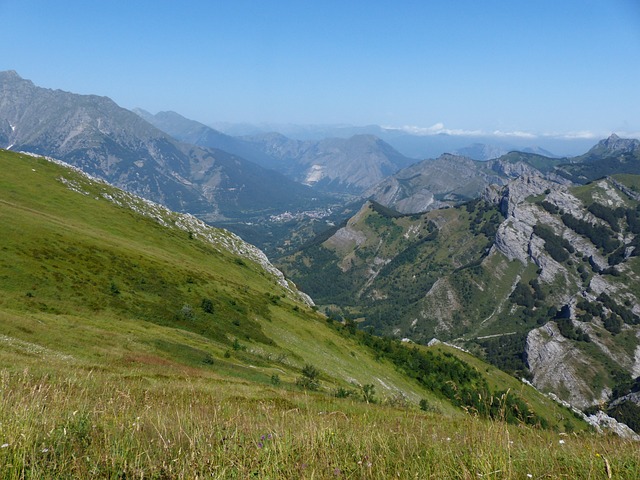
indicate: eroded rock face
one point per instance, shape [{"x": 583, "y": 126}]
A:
[
  {"x": 556, "y": 363},
  {"x": 347, "y": 236},
  {"x": 442, "y": 302},
  {"x": 513, "y": 238},
  {"x": 559, "y": 367},
  {"x": 515, "y": 235},
  {"x": 603, "y": 422}
]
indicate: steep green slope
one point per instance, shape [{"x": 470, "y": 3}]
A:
[
  {"x": 93, "y": 272},
  {"x": 79, "y": 257},
  {"x": 159, "y": 347}
]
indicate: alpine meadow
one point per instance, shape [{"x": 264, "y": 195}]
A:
[
  {"x": 142, "y": 343},
  {"x": 319, "y": 240}
]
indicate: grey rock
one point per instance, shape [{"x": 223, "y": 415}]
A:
[{"x": 560, "y": 367}]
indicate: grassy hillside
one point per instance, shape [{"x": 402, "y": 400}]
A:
[
  {"x": 77, "y": 262},
  {"x": 379, "y": 267},
  {"x": 136, "y": 343}
]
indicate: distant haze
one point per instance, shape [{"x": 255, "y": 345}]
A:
[{"x": 420, "y": 145}]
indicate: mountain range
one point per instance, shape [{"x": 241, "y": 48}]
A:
[
  {"x": 424, "y": 143},
  {"x": 336, "y": 165},
  {"x": 538, "y": 275},
  {"x": 113, "y": 143},
  {"x": 527, "y": 260}
]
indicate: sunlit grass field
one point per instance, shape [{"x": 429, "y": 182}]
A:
[
  {"x": 156, "y": 422},
  {"x": 113, "y": 365}
]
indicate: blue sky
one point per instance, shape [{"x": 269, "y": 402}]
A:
[{"x": 564, "y": 67}]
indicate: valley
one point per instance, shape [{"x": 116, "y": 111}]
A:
[
  {"x": 487, "y": 309},
  {"x": 149, "y": 336}
]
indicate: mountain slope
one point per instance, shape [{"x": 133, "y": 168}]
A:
[
  {"x": 196, "y": 133},
  {"x": 611, "y": 155},
  {"x": 336, "y": 165},
  {"x": 105, "y": 140},
  {"x": 536, "y": 275},
  {"x": 84, "y": 257},
  {"x": 348, "y": 165},
  {"x": 450, "y": 179}
]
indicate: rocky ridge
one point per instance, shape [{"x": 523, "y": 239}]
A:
[{"x": 546, "y": 348}]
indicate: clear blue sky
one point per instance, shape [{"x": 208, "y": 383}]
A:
[{"x": 536, "y": 66}]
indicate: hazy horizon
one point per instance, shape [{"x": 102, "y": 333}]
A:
[{"x": 503, "y": 69}]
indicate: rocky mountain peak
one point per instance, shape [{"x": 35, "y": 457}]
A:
[
  {"x": 616, "y": 144},
  {"x": 10, "y": 74}
]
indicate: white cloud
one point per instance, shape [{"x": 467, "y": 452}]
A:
[
  {"x": 435, "y": 129},
  {"x": 580, "y": 135},
  {"x": 517, "y": 133},
  {"x": 439, "y": 128}
]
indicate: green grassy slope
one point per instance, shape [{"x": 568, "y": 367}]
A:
[
  {"x": 384, "y": 263},
  {"x": 130, "y": 347},
  {"x": 84, "y": 276}
]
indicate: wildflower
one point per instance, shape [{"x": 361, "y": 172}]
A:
[
  {"x": 4, "y": 445},
  {"x": 561, "y": 442},
  {"x": 336, "y": 472},
  {"x": 260, "y": 445},
  {"x": 529, "y": 475}
]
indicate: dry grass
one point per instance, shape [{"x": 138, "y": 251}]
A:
[{"x": 105, "y": 425}]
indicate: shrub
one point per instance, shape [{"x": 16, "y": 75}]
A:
[
  {"x": 628, "y": 413},
  {"x": 557, "y": 247},
  {"x": 613, "y": 323},
  {"x": 342, "y": 392},
  {"x": 207, "y": 305},
  {"x": 424, "y": 405},
  {"x": 522, "y": 295},
  {"x": 114, "y": 289},
  {"x": 368, "y": 393},
  {"x": 309, "y": 379}
]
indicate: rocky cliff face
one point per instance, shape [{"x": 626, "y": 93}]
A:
[
  {"x": 557, "y": 363},
  {"x": 445, "y": 181},
  {"x": 558, "y": 366}
]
